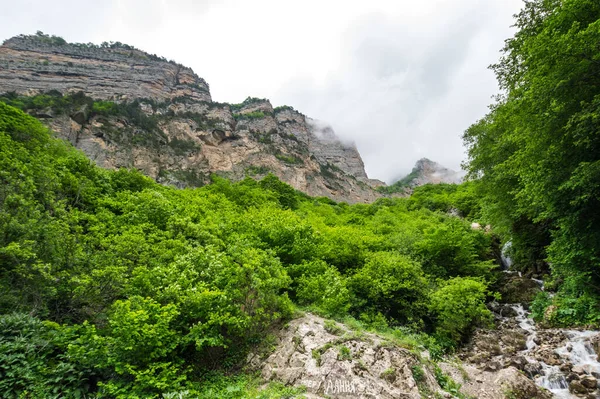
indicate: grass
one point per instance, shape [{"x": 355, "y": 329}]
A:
[
  {"x": 332, "y": 327},
  {"x": 344, "y": 353},
  {"x": 244, "y": 386}
]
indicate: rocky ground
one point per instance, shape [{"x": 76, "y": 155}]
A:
[
  {"x": 333, "y": 361},
  {"x": 543, "y": 355}
]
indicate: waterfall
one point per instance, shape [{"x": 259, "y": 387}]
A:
[{"x": 504, "y": 256}]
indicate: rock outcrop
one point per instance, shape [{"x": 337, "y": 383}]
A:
[
  {"x": 563, "y": 361},
  {"x": 426, "y": 171},
  {"x": 333, "y": 361},
  {"x": 36, "y": 64},
  {"x": 508, "y": 383},
  {"x": 165, "y": 124}
]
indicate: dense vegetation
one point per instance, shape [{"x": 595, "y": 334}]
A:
[
  {"x": 537, "y": 153},
  {"x": 113, "y": 285}
]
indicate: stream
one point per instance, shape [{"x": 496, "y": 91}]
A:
[{"x": 577, "y": 349}]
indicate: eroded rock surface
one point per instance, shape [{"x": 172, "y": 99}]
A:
[
  {"x": 427, "y": 171},
  {"x": 337, "y": 362},
  {"x": 32, "y": 65},
  {"x": 563, "y": 361},
  {"x": 507, "y": 383},
  {"x": 184, "y": 137}
]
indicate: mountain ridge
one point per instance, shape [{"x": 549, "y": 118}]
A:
[
  {"x": 232, "y": 140},
  {"x": 127, "y": 108}
]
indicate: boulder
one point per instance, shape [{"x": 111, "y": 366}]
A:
[
  {"x": 577, "y": 388},
  {"x": 508, "y": 382},
  {"x": 515, "y": 289},
  {"x": 589, "y": 382},
  {"x": 81, "y": 115},
  {"x": 345, "y": 364}
]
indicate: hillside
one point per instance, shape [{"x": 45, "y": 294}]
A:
[
  {"x": 118, "y": 286},
  {"x": 126, "y": 108}
]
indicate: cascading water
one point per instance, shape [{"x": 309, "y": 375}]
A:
[
  {"x": 505, "y": 257},
  {"x": 577, "y": 349}
]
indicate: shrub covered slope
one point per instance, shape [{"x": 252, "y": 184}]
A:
[{"x": 115, "y": 286}]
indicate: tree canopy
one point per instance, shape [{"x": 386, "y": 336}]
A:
[{"x": 537, "y": 152}]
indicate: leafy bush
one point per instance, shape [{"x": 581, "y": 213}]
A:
[
  {"x": 34, "y": 361},
  {"x": 459, "y": 306},
  {"x": 324, "y": 287},
  {"x": 392, "y": 284}
]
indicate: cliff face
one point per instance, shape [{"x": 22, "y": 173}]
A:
[
  {"x": 426, "y": 171},
  {"x": 35, "y": 64},
  {"x": 162, "y": 121}
]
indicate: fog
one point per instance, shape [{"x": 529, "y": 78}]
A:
[{"x": 401, "y": 79}]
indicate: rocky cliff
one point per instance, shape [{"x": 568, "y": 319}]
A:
[
  {"x": 427, "y": 171},
  {"x": 39, "y": 63},
  {"x": 126, "y": 108}
]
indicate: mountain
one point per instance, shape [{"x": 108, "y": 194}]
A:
[
  {"x": 427, "y": 171},
  {"x": 126, "y": 108},
  {"x": 424, "y": 172}
]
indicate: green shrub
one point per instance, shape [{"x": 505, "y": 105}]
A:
[
  {"x": 324, "y": 287},
  {"x": 344, "y": 353},
  {"x": 34, "y": 360},
  {"x": 459, "y": 306},
  {"x": 332, "y": 327},
  {"x": 392, "y": 284}
]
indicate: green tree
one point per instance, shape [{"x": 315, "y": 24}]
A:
[
  {"x": 391, "y": 284},
  {"x": 537, "y": 153}
]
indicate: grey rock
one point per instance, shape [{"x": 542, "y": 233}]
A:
[{"x": 374, "y": 368}]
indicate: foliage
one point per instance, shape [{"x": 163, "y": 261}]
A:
[
  {"x": 401, "y": 185},
  {"x": 133, "y": 289},
  {"x": 537, "y": 152},
  {"x": 459, "y": 306},
  {"x": 247, "y": 101},
  {"x": 69, "y": 104},
  {"x": 34, "y": 360},
  {"x": 289, "y": 159},
  {"x": 322, "y": 286},
  {"x": 392, "y": 284},
  {"x": 443, "y": 197},
  {"x": 245, "y": 387},
  {"x": 47, "y": 39}
]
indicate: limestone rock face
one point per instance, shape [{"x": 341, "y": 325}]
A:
[
  {"x": 340, "y": 363},
  {"x": 502, "y": 384},
  {"x": 30, "y": 65},
  {"x": 182, "y": 137}
]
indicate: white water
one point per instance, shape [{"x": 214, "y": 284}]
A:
[
  {"x": 577, "y": 350},
  {"x": 506, "y": 260}
]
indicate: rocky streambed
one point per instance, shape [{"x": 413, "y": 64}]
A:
[{"x": 562, "y": 361}]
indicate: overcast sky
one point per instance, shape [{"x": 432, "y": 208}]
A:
[{"x": 402, "y": 79}]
